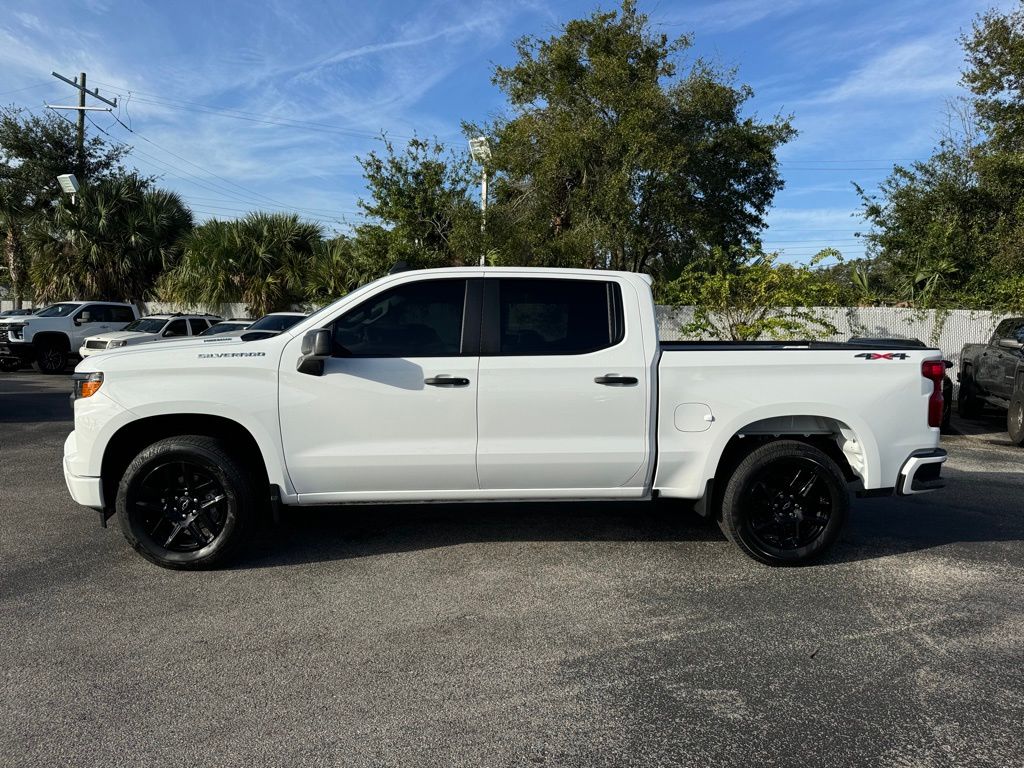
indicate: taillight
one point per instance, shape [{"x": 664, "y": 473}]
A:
[{"x": 934, "y": 370}]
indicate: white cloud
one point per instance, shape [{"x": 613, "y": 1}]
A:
[
  {"x": 730, "y": 15},
  {"x": 916, "y": 69}
]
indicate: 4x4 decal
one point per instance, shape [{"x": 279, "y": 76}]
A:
[{"x": 883, "y": 355}]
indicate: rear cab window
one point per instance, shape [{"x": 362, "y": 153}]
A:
[
  {"x": 121, "y": 315},
  {"x": 539, "y": 316}
]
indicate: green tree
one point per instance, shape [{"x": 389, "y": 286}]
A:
[
  {"x": 742, "y": 297},
  {"x": 112, "y": 243},
  {"x": 421, "y": 197},
  {"x": 33, "y": 152},
  {"x": 261, "y": 260},
  {"x": 342, "y": 264},
  {"x": 949, "y": 231},
  {"x": 615, "y": 157}
]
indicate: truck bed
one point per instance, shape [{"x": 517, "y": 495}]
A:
[
  {"x": 870, "y": 400},
  {"x": 755, "y": 346}
]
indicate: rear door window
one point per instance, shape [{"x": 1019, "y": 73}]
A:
[
  {"x": 121, "y": 314},
  {"x": 537, "y": 316}
]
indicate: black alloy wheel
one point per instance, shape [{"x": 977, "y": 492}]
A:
[
  {"x": 180, "y": 505},
  {"x": 785, "y": 503},
  {"x": 51, "y": 358},
  {"x": 186, "y": 502}
]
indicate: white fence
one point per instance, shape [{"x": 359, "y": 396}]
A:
[{"x": 948, "y": 330}]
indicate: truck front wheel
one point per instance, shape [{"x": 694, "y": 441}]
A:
[
  {"x": 785, "y": 503},
  {"x": 968, "y": 404},
  {"x": 51, "y": 357},
  {"x": 185, "y": 502},
  {"x": 1015, "y": 419}
]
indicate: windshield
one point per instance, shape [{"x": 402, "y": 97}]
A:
[
  {"x": 58, "y": 310},
  {"x": 276, "y": 322},
  {"x": 147, "y": 325}
]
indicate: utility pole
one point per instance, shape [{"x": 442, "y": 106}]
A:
[
  {"x": 480, "y": 150},
  {"x": 79, "y": 83}
]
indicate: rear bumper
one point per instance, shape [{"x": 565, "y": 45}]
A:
[
  {"x": 87, "y": 491},
  {"x": 921, "y": 473}
]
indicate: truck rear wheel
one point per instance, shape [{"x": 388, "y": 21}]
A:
[
  {"x": 785, "y": 503},
  {"x": 51, "y": 357},
  {"x": 968, "y": 404},
  {"x": 185, "y": 503},
  {"x": 1015, "y": 419}
]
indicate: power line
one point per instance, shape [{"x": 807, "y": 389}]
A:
[
  {"x": 260, "y": 117},
  {"x": 196, "y": 165},
  {"x": 26, "y": 88},
  {"x": 208, "y": 186}
]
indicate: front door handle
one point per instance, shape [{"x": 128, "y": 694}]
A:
[
  {"x": 446, "y": 381},
  {"x": 614, "y": 380}
]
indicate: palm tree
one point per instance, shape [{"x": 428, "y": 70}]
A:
[
  {"x": 12, "y": 223},
  {"x": 261, "y": 260},
  {"x": 112, "y": 243}
]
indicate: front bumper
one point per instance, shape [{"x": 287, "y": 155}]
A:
[
  {"x": 24, "y": 352},
  {"x": 87, "y": 491},
  {"x": 921, "y": 473}
]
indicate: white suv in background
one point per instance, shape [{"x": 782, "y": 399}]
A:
[{"x": 148, "y": 329}]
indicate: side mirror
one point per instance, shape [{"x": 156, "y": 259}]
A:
[
  {"x": 1010, "y": 343},
  {"x": 317, "y": 346}
]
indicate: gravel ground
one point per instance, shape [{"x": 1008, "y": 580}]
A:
[{"x": 511, "y": 635}]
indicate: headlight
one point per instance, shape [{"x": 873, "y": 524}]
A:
[
  {"x": 115, "y": 344},
  {"x": 85, "y": 384}
]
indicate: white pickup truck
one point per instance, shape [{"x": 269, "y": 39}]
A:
[
  {"x": 487, "y": 384},
  {"x": 52, "y": 335}
]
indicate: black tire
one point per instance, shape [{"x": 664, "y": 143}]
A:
[
  {"x": 1015, "y": 419},
  {"x": 186, "y": 503},
  {"x": 785, "y": 503},
  {"x": 51, "y": 357},
  {"x": 968, "y": 404}
]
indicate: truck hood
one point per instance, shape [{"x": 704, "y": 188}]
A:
[
  {"x": 122, "y": 336},
  {"x": 180, "y": 352}
]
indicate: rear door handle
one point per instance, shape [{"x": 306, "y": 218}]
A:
[
  {"x": 446, "y": 381},
  {"x": 614, "y": 380}
]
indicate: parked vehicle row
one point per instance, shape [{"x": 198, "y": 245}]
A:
[
  {"x": 53, "y": 336},
  {"x": 993, "y": 374}
]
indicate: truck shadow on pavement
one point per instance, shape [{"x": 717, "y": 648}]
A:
[
  {"x": 332, "y": 533},
  {"x": 877, "y": 528}
]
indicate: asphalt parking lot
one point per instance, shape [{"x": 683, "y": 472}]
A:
[{"x": 512, "y": 635}]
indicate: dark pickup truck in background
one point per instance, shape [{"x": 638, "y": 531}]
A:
[{"x": 993, "y": 374}]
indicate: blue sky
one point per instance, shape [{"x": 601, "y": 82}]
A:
[{"x": 265, "y": 104}]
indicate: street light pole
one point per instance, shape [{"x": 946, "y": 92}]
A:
[
  {"x": 480, "y": 150},
  {"x": 483, "y": 211}
]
